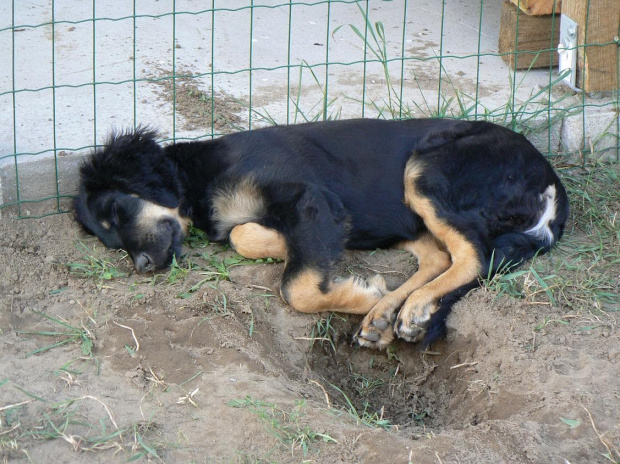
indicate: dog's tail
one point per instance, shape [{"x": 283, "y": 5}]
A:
[{"x": 509, "y": 250}]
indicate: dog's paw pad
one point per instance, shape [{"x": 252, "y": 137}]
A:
[
  {"x": 381, "y": 324},
  {"x": 377, "y": 335},
  {"x": 410, "y": 332},
  {"x": 413, "y": 320}
]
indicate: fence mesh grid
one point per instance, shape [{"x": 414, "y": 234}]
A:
[{"x": 72, "y": 71}]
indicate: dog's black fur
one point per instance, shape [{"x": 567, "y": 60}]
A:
[{"x": 462, "y": 196}]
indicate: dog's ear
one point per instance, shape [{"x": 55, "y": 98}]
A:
[{"x": 132, "y": 162}]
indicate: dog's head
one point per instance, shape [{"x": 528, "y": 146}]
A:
[{"x": 129, "y": 197}]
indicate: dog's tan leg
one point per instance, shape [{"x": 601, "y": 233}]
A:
[
  {"x": 417, "y": 310},
  {"x": 254, "y": 241},
  {"x": 310, "y": 292},
  {"x": 376, "y": 330}
]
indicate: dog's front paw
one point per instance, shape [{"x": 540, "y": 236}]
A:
[
  {"x": 414, "y": 318},
  {"x": 377, "y": 328},
  {"x": 376, "y": 332}
]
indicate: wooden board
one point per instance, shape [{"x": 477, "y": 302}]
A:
[
  {"x": 538, "y": 7},
  {"x": 597, "y": 64},
  {"x": 534, "y": 35}
]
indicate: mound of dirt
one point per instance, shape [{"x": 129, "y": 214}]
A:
[{"x": 211, "y": 366}]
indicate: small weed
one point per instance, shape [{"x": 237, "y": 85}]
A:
[
  {"x": 572, "y": 423},
  {"x": 219, "y": 305},
  {"x": 524, "y": 283},
  {"x": 548, "y": 321},
  {"x": 94, "y": 267},
  {"x": 365, "y": 386},
  {"x": 217, "y": 274},
  {"x": 264, "y": 296},
  {"x": 595, "y": 197},
  {"x": 66, "y": 421},
  {"x": 70, "y": 334},
  {"x": 196, "y": 238},
  {"x": 366, "y": 417},
  {"x": 288, "y": 428},
  {"x": 375, "y": 43},
  {"x": 320, "y": 111},
  {"x": 141, "y": 447},
  {"x": 10, "y": 414},
  {"x": 185, "y": 382},
  {"x": 323, "y": 330},
  {"x": 137, "y": 296},
  {"x": 176, "y": 272},
  {"x": 392, "y": 353},
  {"x": 504, "y": 283},
  {"x": 217, "y": 269}
]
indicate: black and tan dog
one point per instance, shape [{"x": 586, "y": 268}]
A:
[{"x": 463, "y": 197}]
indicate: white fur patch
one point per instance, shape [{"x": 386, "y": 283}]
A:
[
  {"x": 542, "y": 230},
  {"x": 237, "y": 204}
]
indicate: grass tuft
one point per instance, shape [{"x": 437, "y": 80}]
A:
[
  {"x": 72, "y": 422},
  {"x": 324, "y": 332},
  {"x": 366, "y": 417},
  {"x": 94, "y": 266},
  {"x": 68, "y": 334},
  {"x": 534, "y": 115},
  {"x": 287, "y": 427}
]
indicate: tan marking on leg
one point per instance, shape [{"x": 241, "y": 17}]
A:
[
  {"x": 237, "y": 204},
  {"x": 422, "y": 303},
  {"x": 376, "y": 329},
  {"x": 348, "y": 296},
  {"x": 433, "y": 260},
  {"x": 378, "y": 281},
  {"x": 464, "y": 256},
  {"x": 254, "y": 241}
]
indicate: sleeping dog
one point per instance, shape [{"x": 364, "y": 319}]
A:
[{"x": 464, "y": 197}]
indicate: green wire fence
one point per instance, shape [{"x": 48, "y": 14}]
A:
[{"x": 70, "y": 72}]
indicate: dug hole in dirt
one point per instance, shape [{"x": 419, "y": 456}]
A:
[{"x": 211, "y": 366}]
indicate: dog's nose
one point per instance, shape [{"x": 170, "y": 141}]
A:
[{"x": 143, "y": 262}]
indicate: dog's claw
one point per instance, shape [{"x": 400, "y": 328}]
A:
[
  {"x": 413, "y": 320},
  {"x": 410, "y": 332},
  {"x": 367, "y": 337}
]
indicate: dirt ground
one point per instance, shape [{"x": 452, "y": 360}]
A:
[{"x": 211, "y": 366}]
